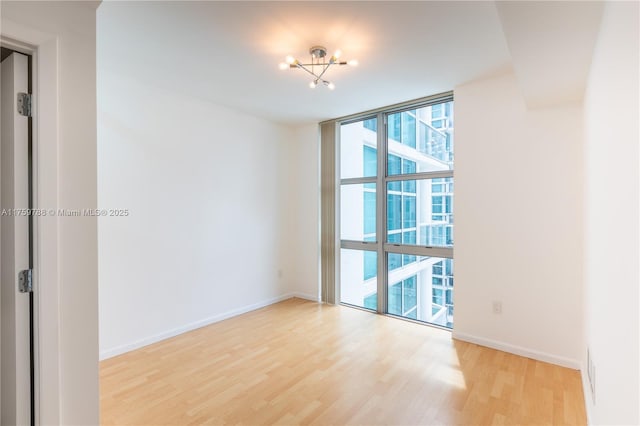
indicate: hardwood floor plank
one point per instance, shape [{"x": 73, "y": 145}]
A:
[{"x": 298, "y": 362}]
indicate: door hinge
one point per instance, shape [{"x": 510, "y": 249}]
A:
[
  {"x": 25, "y": 281},
  {"x": 24, "y": 104}
]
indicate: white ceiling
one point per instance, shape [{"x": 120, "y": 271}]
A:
[
  {"x": 551, "y": 45},
  {"x": 228, "y": 52}
]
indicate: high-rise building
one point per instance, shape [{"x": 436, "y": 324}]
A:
[{"x": 419, "y": 211}]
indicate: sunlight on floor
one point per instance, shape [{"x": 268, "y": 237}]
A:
[{"x": 452, "y": 377}]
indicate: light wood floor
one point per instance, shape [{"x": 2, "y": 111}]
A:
[{"x": 298, "y": 362}]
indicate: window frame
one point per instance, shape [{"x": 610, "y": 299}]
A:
[{"x": 381, "y": 246}]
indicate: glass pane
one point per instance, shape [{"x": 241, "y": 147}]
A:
[
  {"x": 394, "y": 212},
  {"x": 409, "y": 294},
  {"x": 369, "y": 213},
  {"x": 408, "y": 238},
  {"x": 422, "y": 210},
  {"x": 395, "y": 165},
  {"x": 370, "y": 265},
  {"x": 436, "y": 111},
  {"x": 422, "y": 289},
  {"x": 393, "y": 126},
  {"x": 370, "y": 161},
  {"x": 409, "y": 211},
  {"x": 395, "y": 260},
  {"x": 395, "y": 299},
  {"x": 408, "y": 167},
  {"x": 409, "y": 128},
  {"x": 371, "y": 124},
  {"x": 358, "y": 278},
  {"x": 358, "y": 149},
  {"x": 358, "y": 212},
  {"x": 423, "y": 138}
]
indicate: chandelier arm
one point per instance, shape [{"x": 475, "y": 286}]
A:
[
  {"x": 302, "y": 66},
  {"x": 326, "y": 67},
  {"x": 308, "y": 65}
]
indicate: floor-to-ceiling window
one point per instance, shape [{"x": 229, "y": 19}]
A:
[
  {"x": 396, "y": 211},
  {"x": 358, "y": 213}
]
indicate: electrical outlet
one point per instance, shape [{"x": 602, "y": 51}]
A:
[{"x": 497, "y": 307}]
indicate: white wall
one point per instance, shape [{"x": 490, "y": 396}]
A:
[
  {"x": 208, "y": 191},
  {"x": 518, "y": 222},
  {"x": 305, "y": 242},
  {"x": 611, "y": 219},
  {"x": 527, "y": 250},
  {"x": 66, "y": 269}
]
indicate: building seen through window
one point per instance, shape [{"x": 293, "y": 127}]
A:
[{"x": 419, "y": 211}]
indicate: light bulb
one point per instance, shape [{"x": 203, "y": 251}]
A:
[
  {"x": 331, "y": 86},
  {"x": 337, "y": 54},
  {"x": 283, "y": 66},
  {"x": 290, "y": 59},
  {"x": 312, "y": 85},
  {"x": 353, "y": 63}
]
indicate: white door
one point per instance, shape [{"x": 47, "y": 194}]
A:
[{"x": 15, "y": 352}]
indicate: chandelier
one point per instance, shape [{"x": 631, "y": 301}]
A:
[{"x": 318, "y": 66}]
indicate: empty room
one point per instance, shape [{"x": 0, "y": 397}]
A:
[{"x": 320, "y": 213}]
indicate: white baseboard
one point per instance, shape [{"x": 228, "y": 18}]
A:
[
  {"x": 306, "y": 296},
  {"x": 586, "y": 391},
  {"x": 518, "y": 350},
  {"x": 118, "y": 350}
]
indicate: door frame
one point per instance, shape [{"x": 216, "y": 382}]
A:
[
  {"x": 43, "y": 49},
  {"x": 21, "y": 82}
]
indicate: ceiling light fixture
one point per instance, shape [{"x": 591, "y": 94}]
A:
[{"x": 318, "y": 65}]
